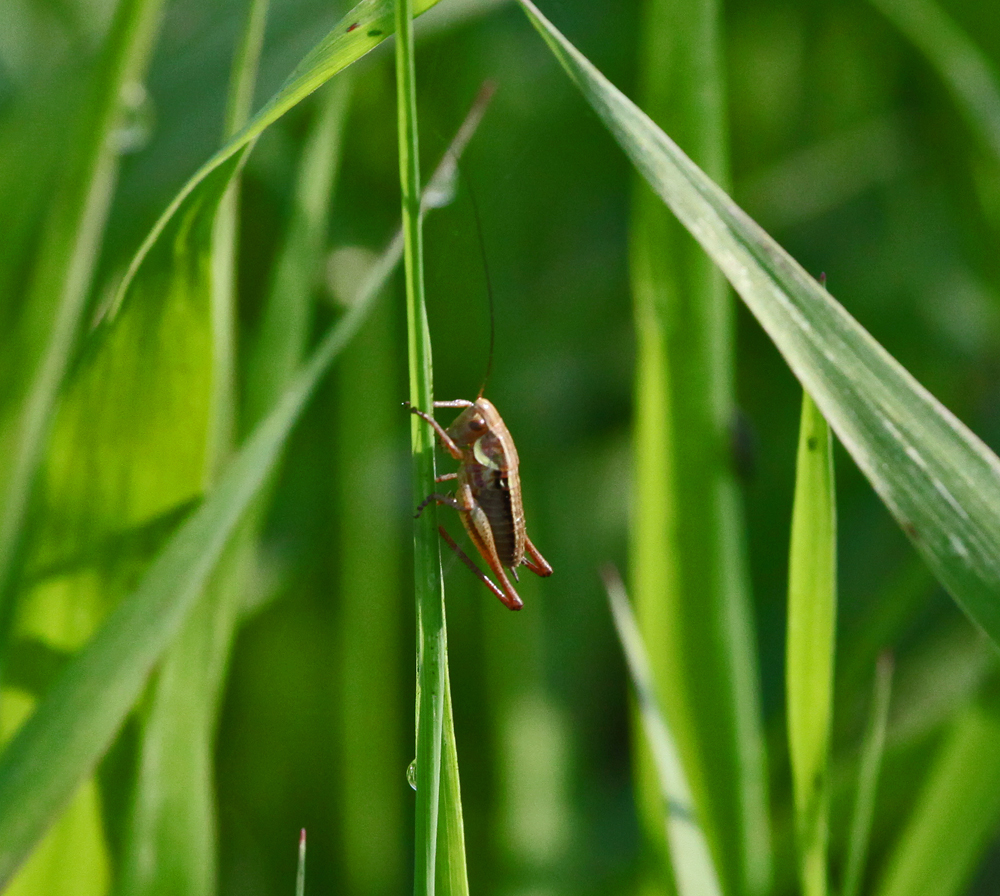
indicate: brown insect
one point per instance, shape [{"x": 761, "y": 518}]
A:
[{"x": 488, "y": 497}]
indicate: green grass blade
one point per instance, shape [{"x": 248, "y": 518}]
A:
[
  {"x": 939, "y": 480},
  {"x": 691, "y": 860},
  {"x": 868, "y": 772},
  {"x": 956, "y": 814},
  {"x": 357, "y": 33},
  {"x": 965, "y": 69},
  {"x": 687, "y": 561},
  {"x": 65, "y": 268},
  {"x": 171, "y": 835},
  {"x": 60, "y": 744},
  {"x": 284, "y": 331},
  {"x": 812, "y": 623},
  {"x": 432, "y": 649},
  {"x": 452, "y": 874}
]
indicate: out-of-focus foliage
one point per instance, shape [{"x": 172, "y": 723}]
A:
[{"x": 846, "y": 145}]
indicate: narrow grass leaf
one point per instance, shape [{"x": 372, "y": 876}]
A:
[
  {"x": 280, "y": 344},
  {"x": 81, "y": 713},
  {"x": 452, "y": 874},
  {"x": 64, "y": 270},
  {"x": 170, "y": 842},
  {"x": 812, "y": 620},
  {"x": 956, "y": 814},
  {"x": 357, "y": 33},
  {"x": 432, "y": 650},
  {"x": 72, "y": 225},
  {"x": 94, "y": 691},
  {"x": 687, "y": 564},
  {"x": 939, "y": 480},
  {"x": 868, "y": 772},
  {"x": 694, "y": 871}
]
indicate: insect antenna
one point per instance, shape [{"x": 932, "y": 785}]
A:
[{"x": 489, "y": 283}]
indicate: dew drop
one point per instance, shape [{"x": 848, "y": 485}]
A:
[{"x": 411, "y": 774}]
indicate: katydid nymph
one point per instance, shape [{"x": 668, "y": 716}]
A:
[
  {"x": 488, "y": 497},
  {"x": 488, "y": 493}
]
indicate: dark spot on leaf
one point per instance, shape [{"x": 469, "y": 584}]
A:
[
  {"x": 352, "y": 27},
  {"x": 375, "y": 32},
  {"x": 911, "y": 530},
  {"x": 811, "y": 443}
]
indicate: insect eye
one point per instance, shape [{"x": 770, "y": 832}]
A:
[{"x": 477, "y": 424}]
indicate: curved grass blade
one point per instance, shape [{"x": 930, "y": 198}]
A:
[
  {"x": 80, "y": 715},
  {"x": 65, "y": 267},
  {"x": 940, "y": 482},
  {"x": 284, "y": 329},
  {"x": 812, "y": 620},
  {"x": 170, "y": 841},
  {"x": 357, "y": 33},
  {"x": 691, "y": 860},
  {"x": 94, "y": 692}
]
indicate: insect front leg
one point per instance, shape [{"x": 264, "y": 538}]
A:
[
  {"x": 446, "y": 440},
  {"x": 441, "y": 499}
]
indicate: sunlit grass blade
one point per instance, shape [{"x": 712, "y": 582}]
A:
[
  {"x": 64, "y": 269},
  {"x": 965, "y": 69},
  {"x": 171, "y": 835},
  {"x": 452, "y": 874},
  {"x": 868, "y": 773},
  {"x": 357, "y": 33},
  {"x": 812, "y": 621},
  {"x": 432, "y": 645},
  {"x": 691, "y": 860},
  {"x": 93, "y": 693},
  {"x": 60, "y": 285},
  {"x": 79, "y": 716},
  {"x": 688, "y": 570},
  {"x": 939, "y": 480},
  {"x": 284, "y": 331},
  {"x": 956, "y": 814}
]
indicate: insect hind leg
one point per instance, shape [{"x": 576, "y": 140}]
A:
[
  {"x": 534, "y": 560},
  {"x": 510, "y": 599}
]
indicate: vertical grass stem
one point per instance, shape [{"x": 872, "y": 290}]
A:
[{"x": 428, "y": 586}]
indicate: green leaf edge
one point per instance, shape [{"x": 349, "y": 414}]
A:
[{"x": 942, "y": 484}]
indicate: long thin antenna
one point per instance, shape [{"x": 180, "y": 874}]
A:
[
  {"x": 489, "y": 283},
  {"x": 482, "y": 100}
]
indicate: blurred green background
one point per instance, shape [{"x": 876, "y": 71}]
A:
[{"x": 846, "y": 145}]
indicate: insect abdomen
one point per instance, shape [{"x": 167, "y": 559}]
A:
[{"x": 495, "y": 499}]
